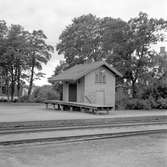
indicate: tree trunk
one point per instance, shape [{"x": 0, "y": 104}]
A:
[
  {"x": 18, "y": 91},
  {"x": 7, "y": 84},
  {"x": 18, "y": 83},
  {"x": 12, "y": 90},
  {"x": 7, "y": 89},
  {"x": 31, "y": 79},
  {"x": 12, "y": 85},
  {"x": 133, "y": 89}
]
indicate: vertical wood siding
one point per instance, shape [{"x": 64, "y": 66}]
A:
[{"x": 109, "y": 87}]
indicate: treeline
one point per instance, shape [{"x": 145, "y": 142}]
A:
[
  {"x": 127, "y": 45},
  {"x": 22, "y": 54}
]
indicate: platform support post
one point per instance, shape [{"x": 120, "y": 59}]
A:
[
  {"x": 71, "y": 108},
  {"x": 62, "y": 108},
  {"x": 46, "y": 105},
  {"x": 58, "y": 106},
  {"x": 54, "y": 106},
  {"x": 108, "y": 110}
]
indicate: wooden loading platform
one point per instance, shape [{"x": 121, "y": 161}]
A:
[{"x": 62, "y": 105}]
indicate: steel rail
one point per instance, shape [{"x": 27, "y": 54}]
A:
[
  {"x": 79, "y": 122},
  {"x": 60, "y": 140},
  {"x": 44, "y": 129}
]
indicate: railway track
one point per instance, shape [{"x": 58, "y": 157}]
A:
[
  {"x": 76, "y": 130},
  {"x": 60, "y": 124},
  {"x": 43, "y": 129}
]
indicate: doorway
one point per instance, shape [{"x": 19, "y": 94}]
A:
[{"x": 73, "y": 92}]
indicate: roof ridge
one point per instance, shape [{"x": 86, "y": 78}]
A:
[{"x": 80, "y": 70}]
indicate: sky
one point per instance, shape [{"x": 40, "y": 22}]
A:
[{"x": 52, "y": 16}]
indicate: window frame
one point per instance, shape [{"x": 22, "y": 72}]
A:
[{"x": 100, "y": 77}]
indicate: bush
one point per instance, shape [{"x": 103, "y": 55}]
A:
[
  {"x": 147, "y": 104},
  {"x": 41, "y": 94},
  {"x": 3, "y": 99},
  {"x": 153, "y": 102},
  {"x": 162, "y": 103},
  {"x": 24, "y": 99},
  {"x": 138, "y": 104},
  {"x": 156, "y": 91},
  {"x": 120, "y": 104},
  {"x": 44, "y": 93}
]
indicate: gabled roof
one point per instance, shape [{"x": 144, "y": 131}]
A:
[{"x": 78, "y": 71}]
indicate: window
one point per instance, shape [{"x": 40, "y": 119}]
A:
[{"x": 100, "y": 77}]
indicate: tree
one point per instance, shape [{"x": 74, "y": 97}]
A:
[
  {"x": 126, "y": 45},
  {"x": 3, "y": 29},
  {"x": 129, "y": 46},
  {"x": 12, "y": 58},
  {"x": 3, "y": 32},
  {"x": 21, "y": 56},
  {"x": 81, "y": 41},
  {"x": 58, "y": 86},
  {"x": 39, "y": 52}
]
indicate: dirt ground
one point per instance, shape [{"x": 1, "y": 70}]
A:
[
  {"x": 10, "y": 112},
  {"x": 134, "y": 151}
]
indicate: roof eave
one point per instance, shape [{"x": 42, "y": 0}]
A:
[
  {"x": 117, "y": 73},
  {"x": 65, "y": 79}
]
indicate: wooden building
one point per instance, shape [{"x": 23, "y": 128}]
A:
[{"x": 92, "y": 83}]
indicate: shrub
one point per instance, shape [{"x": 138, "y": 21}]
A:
[
  {"x": 44, "y": 93},
  {"x": 41, "y": 94},
  {"x": 3, "y": 99},
  {"x": 153, "y": 102},
  {"x": 138, "y": 104},
  {"x": 162, "y": 103},
  {"x": 147, "y": 104},
  {"x": 156, "y": 91},
  {"x": 24, "y": 99},
  {"x": 120, "y": 104}
]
